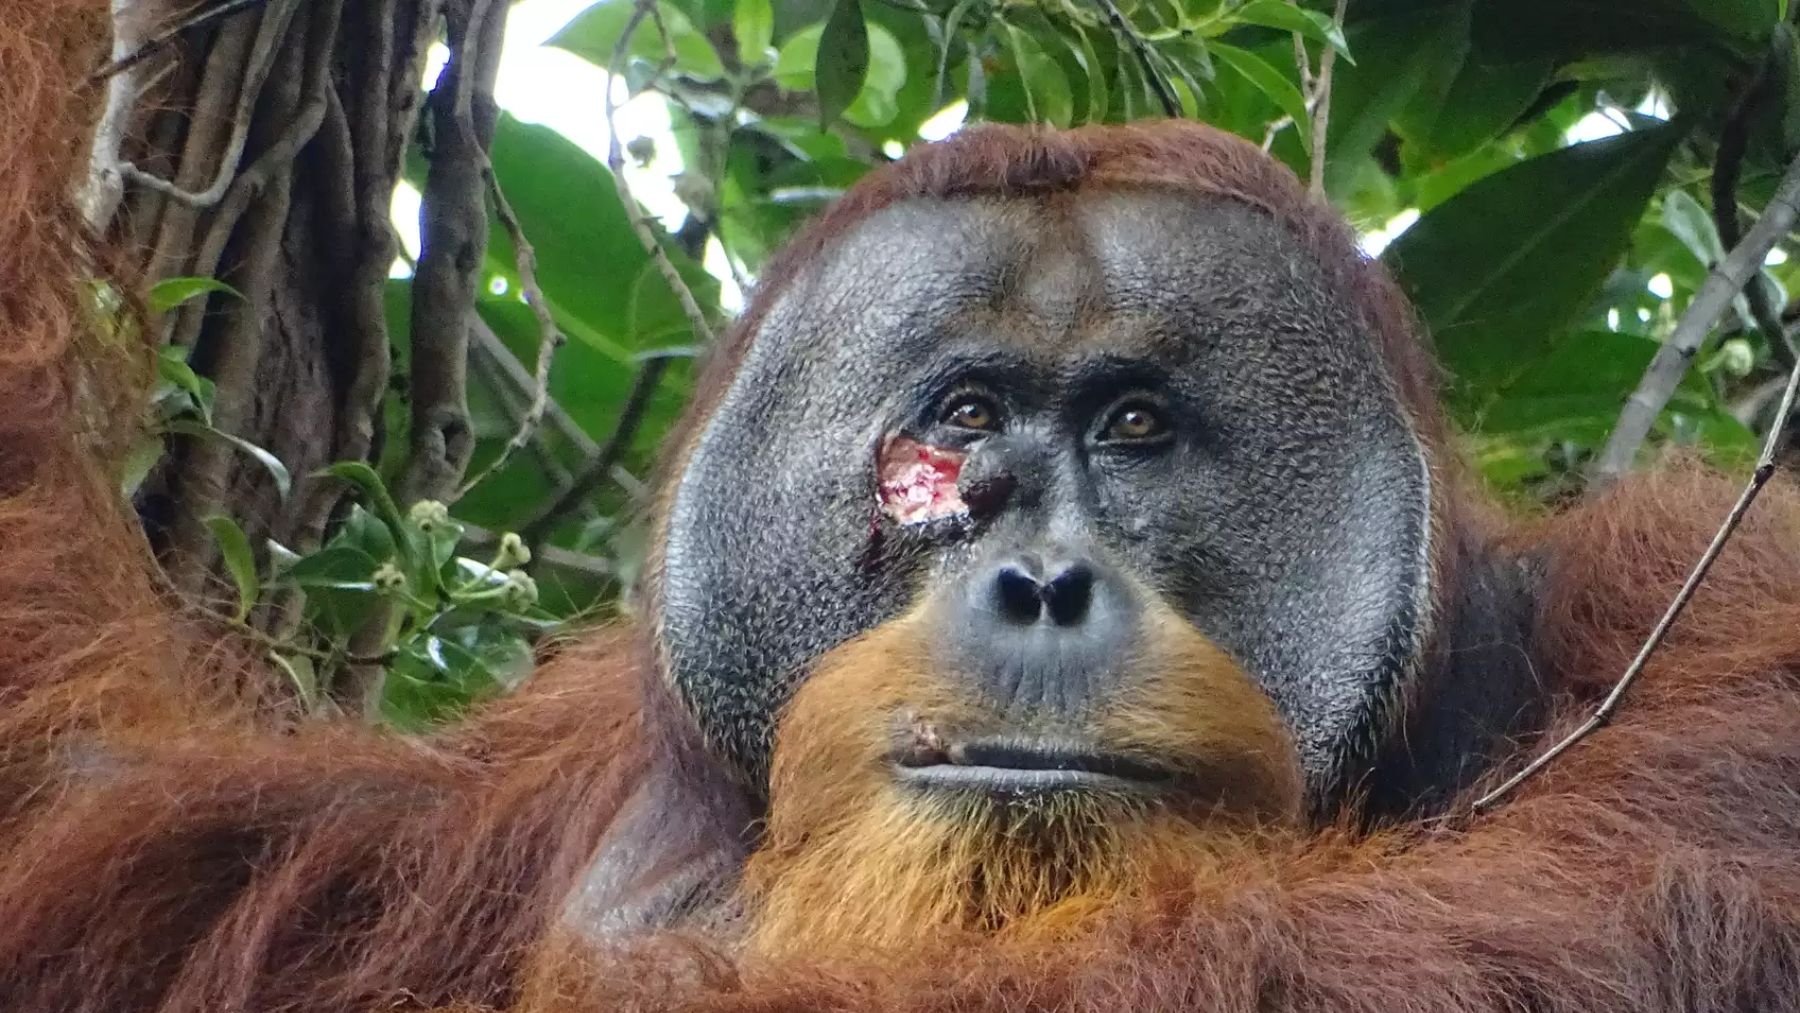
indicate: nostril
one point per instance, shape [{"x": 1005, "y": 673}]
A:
[
  {"x": 1069, "y": 594},
  {"x": 1021, "y": 597}
]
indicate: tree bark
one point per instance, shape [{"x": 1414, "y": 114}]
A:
[{"x": 264, "y": 150}]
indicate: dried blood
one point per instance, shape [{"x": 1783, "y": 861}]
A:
[{"x": 918, "y": 481}]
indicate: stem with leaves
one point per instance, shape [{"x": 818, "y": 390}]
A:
[
  {"x": 1140, "y": 47},
  {"x": 1722, "y": 285},
  {"x": 550, "y": 338},
  {"x": 615, "y": 162}
]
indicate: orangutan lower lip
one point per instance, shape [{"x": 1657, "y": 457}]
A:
[{"x": 1014, "y": 768}]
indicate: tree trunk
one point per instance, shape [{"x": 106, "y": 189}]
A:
[{"x": 266, "y": 156}]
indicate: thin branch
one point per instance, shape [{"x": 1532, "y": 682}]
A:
[
  {"x": 1321, "y": 107},
  {"x": 1765, "y": 468},
  {"x": 1146, "y": 56},
  {"x": 478, "y": 539},
  {"x": 1302, "y": 60},
  {"x": 1728, "y": 164},
  {"x": 127, "y": 57},
  {"x": 549, "y": 337},
  {"x": 1722, "y": 285},
  {"x": 520, "y": 380},
  {"x": 1273, "y": 131},
  {"x": 513, "y": 403},
  {"x": 615, "y": 162},
  {"x": 599, "y": 467},
  {"x": 262, "y": 59}
]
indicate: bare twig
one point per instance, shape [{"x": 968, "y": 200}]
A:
[
  {"x": 615, "y": 162},
  {"x": 599, "y": 467},
  {"x": 549, "y": 337},
  {"x": 514, "y": 401},
  {"x": 125, "y": 58},
  {"x": 522, "y": 381},
  {"x": 601, "y": 463},
  {"x": 1302, "y": 60},
  {"x": 1140, "y": 47},
  {"x": 262, "y": 59},
  {"x": 1321, "y": 107},
  {"x": 277, "y": 161},
  {"x": 129, "y": 56},
  {"x": 581, "y": 564},
  {"x": 1728, "y": 163},
  {"x": 1765, "y": 468},
  {"x": 1274, "y": 130},
  {"x": 1722, "y": 284}
]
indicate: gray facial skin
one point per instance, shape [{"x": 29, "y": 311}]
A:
[{"x": 1288, "y": 516}]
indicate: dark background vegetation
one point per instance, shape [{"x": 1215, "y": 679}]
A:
[{"x": 332, "y": 457}]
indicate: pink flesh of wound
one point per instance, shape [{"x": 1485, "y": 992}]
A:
[{"x": 918, "y": 482}]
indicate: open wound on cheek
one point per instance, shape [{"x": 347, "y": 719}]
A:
[{"x": 918, "y": 482}]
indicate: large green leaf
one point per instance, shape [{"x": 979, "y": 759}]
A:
[
  {"x": 1485, "y": 98},
  {"x": 1270, "y": 81},
  {"x": 594, "y": 34},
  {"x": 1397, "y": 55},
  {"x": 1567, "y": 30},
  {"x": 798, "y": 63},
  {"x": 842, "y": 60},
  {"x": 589, "y": 263},
  {"x": 753, "y": 22},
  {"x": 1500, "y": 269}
]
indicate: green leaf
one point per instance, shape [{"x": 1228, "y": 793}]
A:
[
  {"x": 595, "y": 32},
  {"x": 1270, "y": 82},
  {"x": 842, "y": 61},
  {"x": 172, "y": 368},
  {"x": 1046, "y": 87},
  {"x": 545, "y": 175},
  {"x": 796, "y": 67},
  {"x": 359, "y": 474},
  {"x": 1502, "y": 267},
  {"x": 1484, "y": 100},
  {"x": 1687, "y": 221},
  {"x": 1401, "y": 54},
  {"x": 334, "y": 566},
  {"x": 362, "y": 530},
  {"x": 753, "y": 23},
  {"x": 1099, "y": 99},
  {"x": 1745, "y": 19},
  {"x": 240, "y": 562},
  {"x": 169, "y": 293},
  {"x": 278, "y": 471},
  {"x": 1289, "y": 18}
]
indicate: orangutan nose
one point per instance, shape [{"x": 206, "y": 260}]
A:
[{"x": 1046, "y": 630}]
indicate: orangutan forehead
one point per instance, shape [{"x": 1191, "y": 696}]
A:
[{"x": 1107, "y": 269}]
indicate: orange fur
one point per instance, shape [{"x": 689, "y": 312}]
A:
[
  {"x": 168, "y": 842},
  {"x": 852, "y": 860}
]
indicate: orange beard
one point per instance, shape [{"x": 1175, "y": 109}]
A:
[{"x": 854, "y": 860}]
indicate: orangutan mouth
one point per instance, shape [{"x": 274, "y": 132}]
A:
[{"x": 1020, "y": 767}]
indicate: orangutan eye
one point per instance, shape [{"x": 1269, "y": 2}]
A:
[
  {"x": 971, "y": 411},
  {"x": 1134, "y": 422}
]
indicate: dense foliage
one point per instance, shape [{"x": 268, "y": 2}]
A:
[{"x": 1566, "y": 172}]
